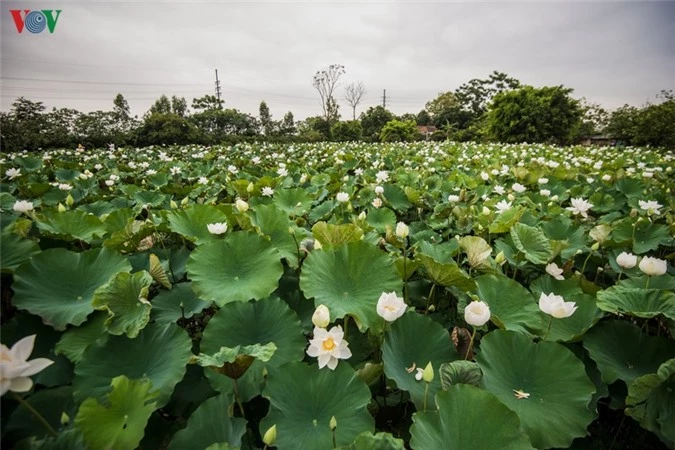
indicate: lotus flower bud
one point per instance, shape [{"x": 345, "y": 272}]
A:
[
  {"x": 402, "y": 230},
  {"x": 270, "y": 436},
  {"x": 321, "y": 316},
  {"x": 70, "y": 200},
  {"x": 500, "y": 258},
  {"x": 61, "y": 208},
  {"x": 241, "y": 205},
  {"x": 595, "y": 246},
  {"x": 184, "y": 201},
  {"x": 249, "y": 189},
  {"x": 333, "y": 423},
  {"x": 428, "y": 374},
  {"x": 173, "y": 204}
]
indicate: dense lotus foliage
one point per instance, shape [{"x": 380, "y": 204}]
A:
[{"x": 354, "y": 296}]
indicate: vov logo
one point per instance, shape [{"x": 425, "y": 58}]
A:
[{"x": 35, "y": 21}]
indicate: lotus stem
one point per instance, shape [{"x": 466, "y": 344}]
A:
[
  {"x": 548, "y": 328},
  {"x": 647, "y": 282},
  {"x": 36, "y": 414},
  {"x": 426, "y": 395},
  {"x": 620, "y": 273},
  {"x": 468, "y": 350},
  {"x": 237, "y": 399},
  {"x": 583, "y": 268},
  {"x": 431, "y": 293},
  {"x": 405, "y": 273}
]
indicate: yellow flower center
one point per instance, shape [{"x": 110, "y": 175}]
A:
[
  {"x": 390, "y": 308},
  {"x": 328, "y": 344}
]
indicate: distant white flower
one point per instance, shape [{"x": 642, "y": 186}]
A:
[
  {"x": 358, "y": 172},
  {"x": 542, "y": 180},
  {"x": 653, "y": 266},
  {"x": 579, "y": 207},
  {"x": 267, "y": 191},
  {"x": 402, "y": 230},
  {"x": 217, "y": 228},
  {"x": 484, "y": 176},
  {"x": 65, "y": 186},
  {"x": 544, "y": 192},
  {"x": 255, "y": 160},
  {"x": 651, "y": 206},
  {"x": 329, "y": 346},
  {"x": 503, "y": 206},
  {"x": 419, "y": 373},
  {"x": 379, "y": 190},
  {"x": 342, "y": 197},
  {"x": 241, "y": 205},
  {"x": 203, "y": 180},
  {"x": 175, "y": 170},
  {"x": 382, "y": 176},
  {"x": 282, "y": 171},
  {"x": 109, "y": 182},
  {"x": 321, "y": 316},
  {"x": 648, "y": 174},
  {"x": 519, "y": 188},
  {"x": 477, "y": 314},
  {"x": 626, "y": 260},
  {"x": 377, "y": 202},
  {"x": 13, "y": 173},
  {"x": 555, "y": 271},
  {"x": 453, "y": 198},
  {"x": 390, "y": 306},
  {"x": 15, "y": 369},
  {"x": 606, "y": 177},
  {"x": 499, "y": 189},
  {"x": 151, "y": 171},
  {"x": 232, "y": 169},
  {"x": 556, "y": 306},
  {"x": 22, "y": 206}
]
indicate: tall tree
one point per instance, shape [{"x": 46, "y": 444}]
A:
[
  {"x": 287, "y": 125},
  {"x": 161, "y": 106},
  {"x": 476, "y": 95},
  {"x": 265, "y": 118},
  {"x": 353, "y": 94},
  {"x": 529, "y": 114},
  {"x": 207, "y": 102},
  {"x": 179, "y": 106},
  {"x": 373, "y": 120},
  {"x": 324, "y": 82},
  {"x": 121, "y": 108}
]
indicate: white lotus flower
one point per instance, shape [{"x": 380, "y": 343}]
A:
[
  {"x": 390, "y": 306},
  {"x": 453, "y": 198},
  {"x": 477, "y": 314},
  {"x": 556, "y": 306},
  {"x": 503, "y": 206},
  {"x": 402, "y": 230},
  {"x": 329, "y": 346},
  {"x": 217, "y": 228},
  {"x": 519, "y": 188},
  {"x": 626, "y": 260},
  {"x": 65, "y": 186},
  {"x": 15, "y": 370},
  {"x": 377, "y": 202},
  {"x": 379, "y": 190},
  {"x": 544, "y": 192},
  {"x": 382, "y": 176},
  {"x": 499, "y": 190},
  {"x": 267, "y": 191},
  {"x": 555, "y": 271},
  {"x": 22, "y": 206},
  {"x": 321, "y": 316},
  {"x": 203, "y": 180},
  {"x": 542, "y": 180},
  {"x": 651, "y": 206},
  {"x": 342, "y": 197},
  {"x": 653, "y": 266},
  {"x": 175, "y": 170},
  {"x": 13, "y": 173},
  {"x": 579, "y": 207}
]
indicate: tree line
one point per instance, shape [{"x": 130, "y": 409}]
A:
[{"x": 497, "y": 108}]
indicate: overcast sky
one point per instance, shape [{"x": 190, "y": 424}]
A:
[{"x": 611, "y": 53}]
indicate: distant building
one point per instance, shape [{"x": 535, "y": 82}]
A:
[
  {"x": 426, "y": 130},
  {"x": 599, "y": 140}
]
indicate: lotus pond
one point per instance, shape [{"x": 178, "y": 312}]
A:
[{"x": 353, "y": 296}]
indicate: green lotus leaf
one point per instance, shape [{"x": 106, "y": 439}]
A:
[
  {"x": 179, "y": 302},
  {"x": 157, "y": 271},
  {"x": 553, "y": 381},
  {"x": 331, "y": 236},
  {"x": 460, "y": 372},
  {"x": 395, "y": 196},
  {"x": 75, "y": 341},
  {"x": 504, "y": 221},
  {"x": 117, "y": 219},
  {"x": 159, "y": 353},
  {"x": 294, "y": 202},
  {"x": 377, "y": 441},
  {"x": 58, "y": 285},
  {"x": 443, "y": 253},
  {"x": 381, "y": 218},
  {"x": 532, "y": 242},
  {"x": 322, "y": 211},
  {"x": 404, "y": 349},
  {"x": 467, "y": 417},
  {"x": 72, "y": 224},
  {"x": 119, "y": 421},
  {"x": 274, "y": 223},
  {"x": 350, "y": 280},
  {"x": 623, "y": 352},
  {"x": 192, "y": 222},
  {"x": 645, "y": 303},
  {"x": 149, "y": 198},
  {"x": 303, "y": 399},
  {"x": 446, "y": 274},
  {"x": 15, "y": 250},
  {"x": 477, "y": 251},
  {"x": 211, "y": 423},
  {"x": 512, "y": 307},
  {"x": 644, "y": 235},
  {"x": 228, "y": 355},
  {"x": 651, "y": 401},
  {"x": 241, "y": 267},
  {"x": 99, "y": 209},
  {"x": 569, "y": 237},
  {"x": 133, "y": 237},
  {"x": 125, "y": 298},
  {"x": 51, "y": 403}
]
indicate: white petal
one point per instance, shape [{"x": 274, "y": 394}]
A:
[
  {"x": 21, "y": 384},
  {"x": 313, "y": 351},
  {"x": 325, "y": 359},
  {"x": 332, "y": 363},
  {"x": 345, "y": 353},
  {"x": 37, "y": 365},
  {"x": 23, "y": 348}
]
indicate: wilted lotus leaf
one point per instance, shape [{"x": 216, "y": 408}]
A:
[{"x": 234, "y": 362}]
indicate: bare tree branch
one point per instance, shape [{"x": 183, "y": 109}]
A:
[
  {"x": 325, "y": 82},
  {"x": 353, "y": 94}
]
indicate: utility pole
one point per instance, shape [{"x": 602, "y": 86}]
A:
[
  {"x": 384, "y": 98},
  {"x": 217, "y": 87}
]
